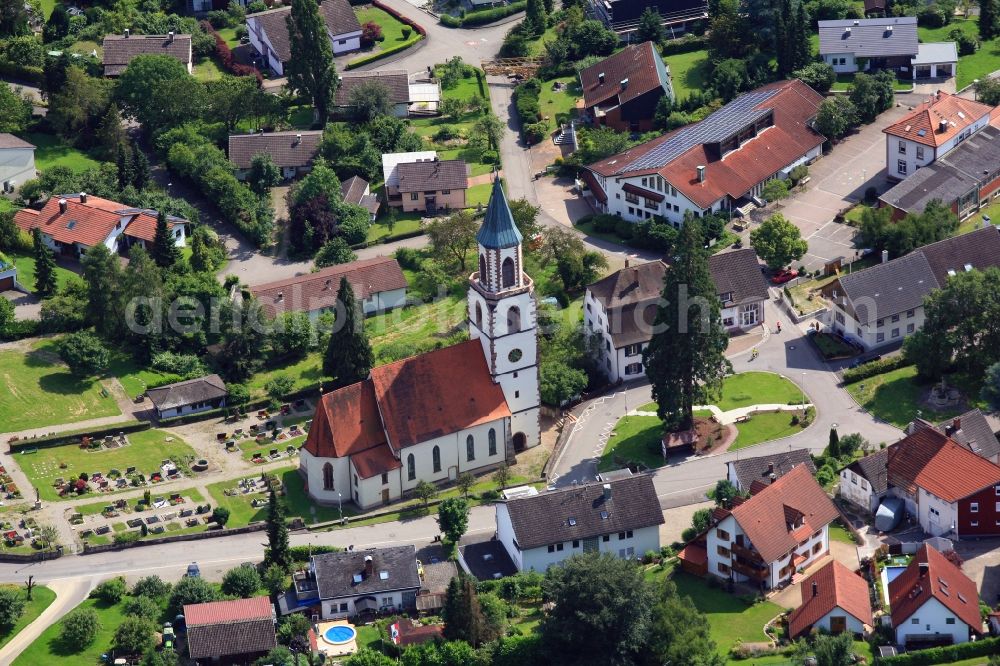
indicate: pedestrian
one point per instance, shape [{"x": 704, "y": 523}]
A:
[{"x": 779, "y": 327}]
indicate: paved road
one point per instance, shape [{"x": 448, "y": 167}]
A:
[{"x": 684, "y": 482}]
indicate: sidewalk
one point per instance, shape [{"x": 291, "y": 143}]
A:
[{"x": 734, "y": 415}]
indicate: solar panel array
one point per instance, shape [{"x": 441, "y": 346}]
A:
[{"x": 725, "y": 122}]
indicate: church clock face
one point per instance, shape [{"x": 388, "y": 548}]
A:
[{"x": 515, "y": 355}]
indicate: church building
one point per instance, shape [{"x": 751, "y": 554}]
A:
[{"x": 465, "y": 408}]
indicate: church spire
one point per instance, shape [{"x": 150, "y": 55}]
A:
[{"x": 498, "y": 230}]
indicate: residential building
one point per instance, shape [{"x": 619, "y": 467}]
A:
[
  {"x": 292, "y": 152},
  {"x": 935, "y": 60},
  {"x": 390, "y": 170},
  {"x": 622, "y": 306},
  {"x": 188, "y": 397},
  {"x": 73, "y": 223},
  {"x": 622, "y": 16},
  {"x": 973, "y": 431},
  {"x": 765, "y": 470},
  {"x": 865, "y": 482},
  {"x": 853, "y": 45},
  {"x": 933, "y": 602},
  {"x": 719, "y": 164},
  {"x": 235, "y": 632},
  {"x": 17, "y": 162},
  {"x": 834, "y": 600},
  {"x": 268, "y": 32},
  {"x": 378, "y": 284},
  {"x": 622, "y": 91},
  {"x": 419, "y": 98},
  {"x": 780, "y": 530},
  {"x": 463, "y": 408},
  {"x": 931, "y": 131},
  {"x": 119, "y": 50},
  {"x": 965, "y": 180},
  {"x": 883, "y": 304},
  {"x": 353, "y": 582},
  {"x": 356, "y": 191},
  {"x": 620, "y": 517},
  {"x": 430, "y": 187}
]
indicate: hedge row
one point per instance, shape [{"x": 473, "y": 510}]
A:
[
  {"x": 33, "y": 76},
  {"x": 867, "y": 370},
  {"x": 226, "y": 56},
  {"x": 378, "y": 56},
  {"x": 526, "y": 101},
  {"x": 399, "y": 17},
  {"x": 944, "y": 655},
  {"x": 73, "y": 436},
  {"x": 20, "y": 329},
  {"x": 685, "y": 44},
  {"x": 483, "y": 16}
]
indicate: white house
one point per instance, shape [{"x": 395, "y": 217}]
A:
[
  {"x": 268, "y": 32},
  {"x": 348, "y": 583},
  {"x": 464, "y": 408},
  {"x": 780, "y": 530},
  {"x": 864, "y": 482},
  {"x": 621, "y": 517},
  {"x": 17, "y": 162},
  {"x": 188, "y": 397},
  {"x": 718, "y": 164},
  {"x": 834, "y": 600},
  {"x": 851, "y": 45},
  {"x": 933, "y": 602},
  {"x": 931, "y": 131}
]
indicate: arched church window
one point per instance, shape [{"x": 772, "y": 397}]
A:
[
  {"x": 493, "y": 441},
  {"x": 411, "y": 468},
  {"x": 436, "y": 455},
  {"x": 507, "y": 272},
  {"x": 328, "y": 477},
  {"x": 470, "y": 448},
  {"x": 514, "y": 319},
  {"x": 479, "y": 315},
  {"x": 482, "y": 268}
]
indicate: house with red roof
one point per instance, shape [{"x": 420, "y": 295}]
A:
[
  {"x": 834, "y": 600},
  {"x": 622, "y": 91},
  {"x": 933, "y": 602},
  {"x": 233, "y": 632},
  {"x": 719, "y": 164},
  {"x": 73, "y": 223},
  {"x": 782, "y": 528}
]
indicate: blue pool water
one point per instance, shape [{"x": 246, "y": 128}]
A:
[
  {"x": 892, "y": 571},
  {"x": 340, "y": 634}
]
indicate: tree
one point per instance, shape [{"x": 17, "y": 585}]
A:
[
  {"x": 220, "y": 516},
  {"x": 157, "y": 91},
  {"x": 165, "y": 251},
  {"x": 134, "y": 635},
  {"x": 535, "y": 18},
  {"x": 207, "y": 253},
  {"x": 57, "y": 26},
  {"x": 348, "y": 356},
  {"x": 291, "y": 338},
  {"x": 491, "y": 127},
  {"x": 700, "y": 521},
  {"x": 264, "y": 173},
  {"x": 680, "y": 633},
  {"x": 872, "y": 94},
  {"x": 102, "y": 275},
  {"x": 650, "y": 27},
  {"x": 190, "y": 590},
  {"x": 502, "y": 476},
  {"x": 453, "y": 518},
  {"x": 774, "y": 190},
  {"x": 275, "y": 580},
  {"x": 244, "y": 339},
  {"x": 79, "y": 629},
  {"x": 84, "y": 353},
  {"x": 45, "y": 265},
  {"x": 425, "y": 491},
  {"x": 836, "y": 116},
  {"x": 730, "y": 78},
  {"x": 778, "y": 242},
  {"x": 452, "y": 107},
  {"x": 160, "y": 658},
  {"x": 525, "y": 216},
  {"x": 278, "y": 387},
  {"x": 151, "y": 586},
  {"x": 242, "y": 581},
  {"x": 78, "y": 108},
  {"x": 725, "y": 492},
  {"x": 727, "y": 35},
  {"x": 278, "y": 552},
  {"x": 848, "y": 444},
  {"x": 369, "y": 657},
  {"x": 465, "y": 481},
  {"x": 817, "y": 75},
  {"x": 798, "y": 33},
  {"x": 335, "y": 251},
  {"x": 370, "y": 99},
  {"x": 15, "y": 110},
  {"x": 685, "y": 360},
  {"x": 988, "y": 89},
  {"x": 11, "y": 606},
  {"x": 462, "y": 615},
  {"x": 834, "y": 650},
  {"x": 311, "y": 72},
  {"x": 989, "y": 19},
  {"x": 590, "y": 594},
  {"x": 833, "y": 447},
  {"x": 111, "y": 591},
  {"x": 577, "y": 266},
  {"x": 991, "y": 387},
  {"x": 559, "y": 382},
  {"x": 143, "y": 607},
  {"x": 453, "y": 237},
  {"x": 7, "y": 316}
]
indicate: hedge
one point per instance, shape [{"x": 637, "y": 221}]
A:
[
  {"x": 867, "y": 370},
  {"x": 226, "y": 56},
  {"x": 378, "y": 56},
  {"x": 20, "y": 329},
  {"x": 32, "y": 76},
  {"x": 944, "y": 655},
  {"x": 526, "y": 101},
  {"x": 685, "y": 44},
  {"x": 483, "y": 16},
  {"x": 399, "y": 17},
  {"x": 73, "y": 436}
]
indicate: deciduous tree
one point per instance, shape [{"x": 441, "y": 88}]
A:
[
  {"x": 453, "y": 518},
  {"x": 370, "y": 99},
  {"x": 84, "y": 353},
  {"x": 453, "y": 237},
  {"x": 242, "y": 581},
  {"x": 79, "y": 629},
  {"x": 778, "y": 242},
  {"x": 264, "y": 173},
  {"x": 11, "y": 606}
]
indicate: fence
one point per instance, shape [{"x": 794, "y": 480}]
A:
[
  {"x": 40, "y": 556},
  {"x": 198, "y": 536}
]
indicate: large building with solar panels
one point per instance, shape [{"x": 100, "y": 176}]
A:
[{"x": 717, "y": 165}]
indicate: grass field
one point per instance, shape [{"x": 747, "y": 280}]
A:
[
  {"x": 48, "y": 649},
  {"x": 405, "y": 223},
  {"x": 971, "y": 67},
  {"x": 145, "y": 452},
  {"x": 896, "y": 396},
  {"x": 26, "y": 272},
  {"x": 207, "y": 69},
  {"x": 50, "y": 151},
  {"x": 763, "y": 428},
  {"x": 757, "y": 388},
  {"x": 37, "y": 390},
  {"x": 6, "y": 205},
  {"x": 839, "y": 533},
  {"x": 135, "y": 379},
  {"x": 229, "y": 35},
  {"x": 845, "y": 81},
  {"x": 553, "y": 103},
  {"x": 634, "y": 439},
  {"x": 976, "y": 221},
  {"x": 688, "y": 72},
  {"x": 41, "y": 597},
  {"x": 392, "y": 28}
]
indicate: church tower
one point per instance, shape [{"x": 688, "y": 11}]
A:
[{"x": 502, "y": 316}]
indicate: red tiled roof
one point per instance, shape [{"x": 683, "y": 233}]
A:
[
  {"x": 942, "y": 580},
  {"x": 836, "y": 587},
  {"x": 235, "y": 610},
  {"x": 411, "y": 634},
  {"x": 930, "y": 460},
  {"x": 314, "y": 291},
  {"x": 956, "y": 111},
  {"x": 375, "y": 461},
  {"x": 696, "y": 553},
  {"x": 346, "y": 423},
  {"x": 636, "y": 63},
  {"x": 762, "y": 517},
  {"x": 90, "y": 223}
]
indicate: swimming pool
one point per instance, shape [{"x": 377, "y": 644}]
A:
[
  {"x": 891, "y": 572},
  {"x": 339, "y": 634}
]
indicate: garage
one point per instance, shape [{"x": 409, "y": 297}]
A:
[{"x": 6, "y": 284}]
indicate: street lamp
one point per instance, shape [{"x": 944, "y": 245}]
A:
[
  {"x": 340, "y": 508},
  {"x": 975, "y": 90},
  {"x": 802, "y": 387}
]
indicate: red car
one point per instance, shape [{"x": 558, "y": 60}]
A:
[{"x": 784, "y": 275}]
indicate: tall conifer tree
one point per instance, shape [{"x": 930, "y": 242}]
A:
[
  {"x": 349, "y": 356},
  {"x": 311, "y": 72}
]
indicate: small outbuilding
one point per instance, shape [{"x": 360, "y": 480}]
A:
[{"x": 188, "y": 397}]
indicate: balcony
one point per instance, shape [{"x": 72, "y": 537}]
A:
[
  {"x": 746, "y": 553},
  {"x": 757, "y": 573}
]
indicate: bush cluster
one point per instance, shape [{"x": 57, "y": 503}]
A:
[
  {"x": 226, "y": 56},
  {"x": 867, "y": 370},
  {"x": 944, "y": 655},
  {"x": 483, "y": 16},
  {"x": 526, "y": 101}
]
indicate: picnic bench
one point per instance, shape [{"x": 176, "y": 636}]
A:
[{"x": 742, "y": 419}]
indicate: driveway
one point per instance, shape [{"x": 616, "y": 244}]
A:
[
  {"x": 26, "y": 306},
  {"x": 981, "y": 563}
]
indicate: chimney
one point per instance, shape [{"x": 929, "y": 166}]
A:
[
  {"x": 770, "y": 468},
  {"x": 369, "y": 566},
  {"x": 889, "y": 30},
  {"x": 701, "y": 173},
  {"x": 62, "y": 206},
  {"x": 328, "y": 284},
  {"x": 626, "y": 261},
  {"x": 170, "y": 37},
  {"x": 942, "y": 125},
  {"x": 126, "y": 33},
  {"x": 600, "y": 78},
  {"x": 815, "y": 589},
  {"x": 83, "y": 197},
  {"x": 857, "y": 22},
  {"x": 774, "y": 477},
  {"x": 298, "y": 139},
  {"x": 923, "y": 570},
  {"x": 280, "y": 296},
  {"x": 956, "y": 424},
  {"x": 607, "y": 492},
  {"x": 885, "y": 256},
  {"x": 624, "y": 84}
]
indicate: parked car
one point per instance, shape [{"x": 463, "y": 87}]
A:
[
  {"x": 861, "y": 360},
  {"x": 194, "y": 571},
  {"x": 784, "y": 275}
]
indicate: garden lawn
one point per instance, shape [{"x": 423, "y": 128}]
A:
[
  {"x": 764, "y": 427},
  {"x": 41, "y": 597},
  {"x": 976, "y": 221},
  {"x": 895, "y": 397},
  {"x": 757, "y": 388},
  {"x": 478, "y": 195},
  {"x": 688, "y": 72},
  {"x": 229, "y": 36},
  {"x": 553, "y": 103},
  {"x": 392, "y": 28},
  {"x": 25, "y": 264},
  {"x": 146, "y": 450},
  {"x": 50, "y": 151},
  {"x": 635, "y": 439},
  {"x": 207, "y": 69},
  {"x": 37, "y": 390},
  {"x": 6, "y": 205},
  {"x": 134, "y": 378},
  {"x": 49, "y": 650},
  {"x": 406, "y": 223},
  {"x": 839, "y": 533},
  {"x": 971, "y": 67}
]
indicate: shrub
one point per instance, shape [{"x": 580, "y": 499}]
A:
[
  {"x": 867, "y": 370},
  {"x": 243, "y": 581},
  {"x": 605, "y": 223},
  {"x": 798, "y": 173},
  {"x": 946, "y": 654},
  {"x": 371, "y": 32},
  {"x": 191, "y": 591},
  {"x": 134, "y": 635},
  {"x": 11, "y": 605},
  {"x": 144, "y": 607},
  {"x": 526, "y": 101},
  {"x": 84, "y": 353},
  {"x": 483, "y": 16},
  {"x": 122, "y": 538},
  {"x": 79, "y": 629},
  {"x": 932, "y": 16},
  {"x": 625, "y": 229},
  {"x": 111, "y": 591}
]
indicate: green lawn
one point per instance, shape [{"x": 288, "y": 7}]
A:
[
  {"x": 229, "y": 35},
  {"x": 839, "y": 533},
  {"x": 405, "y": 223},
  {"x": 845, "y": 81},
  {"x": 41, "y": 597},
  {"x": 392, "y": 28},
  {"x": 134, "y": 378},
  {"x": 976, "y": 66},
  {"x": 47, "y": 7},
  {"x": 553, "y": 103},
  {"x": 478, "y": 194},
  {"x": 688, "y": 72},
  {"x": 48, "y": 649},
  {"x": 976, "y": 221},
  {"x": 635, "y": 439},
  {"x": 764, "y": 428},
  {"x": 87, "y": 47},
  {"x": 757, "y": 388},
  {"x": 6, "y": 205},
  {"x": 37, "y": 390},
  {"x": 26, "y": 272},
  {"x": 145, "y": 452},
  {"x": 895, "y": 397},
  {"x": 50, "y": 151},
  {"x": 207, "y": 69}
]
